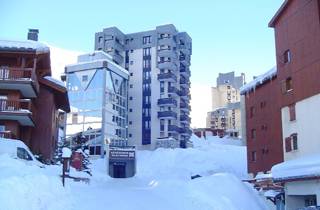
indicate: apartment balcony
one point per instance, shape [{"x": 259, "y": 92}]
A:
[
  {"x": 167, "y": 53},
  {"x": 167, "y": 115},
  {"x": 184, "y": 83},
  {"x": 7, "y": 135},
  {"x": 173, "y": 90},
  {"x": 185, "y": 118},
  {"x": 169, "y": 76},
  {"x": 185, "y": 131},
  {"x": 185, "y": 60},
  {"x": 20, "y": 79},
  {"x": 167, "y": 142},
  {"x": 167, "y": 65},
  {"x": 185, "y": 72},
  {"x": 17, "y": 110},
  {"x": 184, "y": 48},
  {"x": 185, "y": 106},
  {"x": 117, "y": 44},
  {"x": 167, "y": 102},
  {"x": 117, "y": 57},
  {"x": 167, "y": 41},
  {"x": 173, "y": 129}
]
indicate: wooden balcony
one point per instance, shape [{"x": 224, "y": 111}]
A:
[
  {"x": 20, "y": 79},
  {"x": 17, "y": 110},
  {"x": 7, "y": 135}
]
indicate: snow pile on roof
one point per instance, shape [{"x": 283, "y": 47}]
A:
[
  {"x": 24, "y": 45},
  {"x": 303, "y": 167},
  {"x": 57, "y": 82},
  {"x": 258, "y": 81},
  {"x": 262, "y": 176},
  {"x": 271, "y": 193}
]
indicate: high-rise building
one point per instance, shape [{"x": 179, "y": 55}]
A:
[
  {"x": 158, "y": 63},
  {"x": 226, "y": 114},
  {"x": 98, "y": 97}
]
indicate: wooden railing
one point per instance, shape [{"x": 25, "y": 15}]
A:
[
  {"x": 7, "y": 135},
  {"x": 14, "y": 73},
  {"x": 9, "y": 73},
  {"x": 15, "y": 105}
]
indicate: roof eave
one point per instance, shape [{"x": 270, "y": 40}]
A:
[{"x": 274, "y": 19}]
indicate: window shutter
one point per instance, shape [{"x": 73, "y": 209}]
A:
[
  {"x": 292, "y": 110},
  {"x": 288, "y": 144}
]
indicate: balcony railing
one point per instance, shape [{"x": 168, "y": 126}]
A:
[
  {"x": 18, "y": 74},
  {"x": 167, "y": 114},
  {"x": 167, "y": 101},
  {"x": 173, "y": 90},
  {"x": 185, "y": 118},
  {"x": 7, "y": 135},
  {"x": 8, "y": 73},
  {"x": 15, "y": 105},
  {"x": 167, "y": 76},
  {"x": 173, "y": 128}
]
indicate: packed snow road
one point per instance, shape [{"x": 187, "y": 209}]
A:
[{"x": 162, "y": 182}]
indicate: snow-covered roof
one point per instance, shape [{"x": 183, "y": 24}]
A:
[
  {"x": 271, "y": 193},
  {"x": 27, "y": 45},
  {"x": 57, "y": 82},
  {"x": 263, "y": 176},
  {"x": 258, "y": 81},
  {"x": 304, "y": 167}
]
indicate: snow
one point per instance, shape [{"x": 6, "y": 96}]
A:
[
  {"x": 262, "y": 176},
  {"x": 162, "y": 182},
  {"x": 308, "y": 166},
  {"x": 66, "y": 152},
  {"x": 27, "y": 45},
  {"x": 258, "y": 81},
  {"x": 271, "y": 193},
  {"x": 58, "y": 82}
]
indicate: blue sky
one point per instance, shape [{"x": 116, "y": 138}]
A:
[{"x": 227, "y": 35}]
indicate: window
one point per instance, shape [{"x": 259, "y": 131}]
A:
[
  {"x": 130, "y": 122},
  {"x": 252, "y": 111},
  {"x": 116, "y": 82},
  {"x": 294, "y": 139},
  {"x": 287, "y": 56},
  {"x": 84, "y": 78},
  {"x": 130, "y": 98},
  {"x": 292, "y": 112},
  {"x": 146, "y": 51},
  {"x": 100, "y": 39},
  {"x": 262, "y": 104},
  {"x": 287, "y": 85},
  {"x": 74, "y": 118},
  {"x": 131, "y": 62},
  {"x": 95, "y": 150},
  {"x": 131, "y": 74},
  {"x": 131, "y": 86},
  {"x": 291, "y": 143},
  {"x": 253, "y": 156},
  {"x": 130, "y": 110},
  {"x": 23, "y": 154},
  {"x": 130, "y": 135},
  {"x": 253, "y": 133}
]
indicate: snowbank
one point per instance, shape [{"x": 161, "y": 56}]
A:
[
  {"x": 162, "y": 182},
  {"x": 308, "y": 166}
]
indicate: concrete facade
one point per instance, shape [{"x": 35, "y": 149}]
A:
[
  {"x": 226, "y": 114},
  {"x": 158, "y": 63}
]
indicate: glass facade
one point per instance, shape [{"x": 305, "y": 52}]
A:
[{"x": 98, "y": 99}]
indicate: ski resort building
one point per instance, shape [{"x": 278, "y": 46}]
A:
[
  {"x": 158, "y": 64},
  {"x": 297, "y": 37},
  {"x": 30, "y": 99},
  {"x": 98, "y": 92}
]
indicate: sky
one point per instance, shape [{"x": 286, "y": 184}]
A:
[{"x": 226, "y": 35}]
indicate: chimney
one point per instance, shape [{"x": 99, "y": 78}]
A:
[{"x": 33, "y": 34}]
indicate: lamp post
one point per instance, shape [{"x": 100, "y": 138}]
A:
[{"x": 66, "y": 154}]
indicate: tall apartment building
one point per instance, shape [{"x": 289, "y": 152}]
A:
[
  {"x": 158, "y": 63},
  {"x": 30, "y": 98},
  {"x": 225, "y": 114},
  {"x": 97, "y": 89},
  {"x": 297, "y": 38}
]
